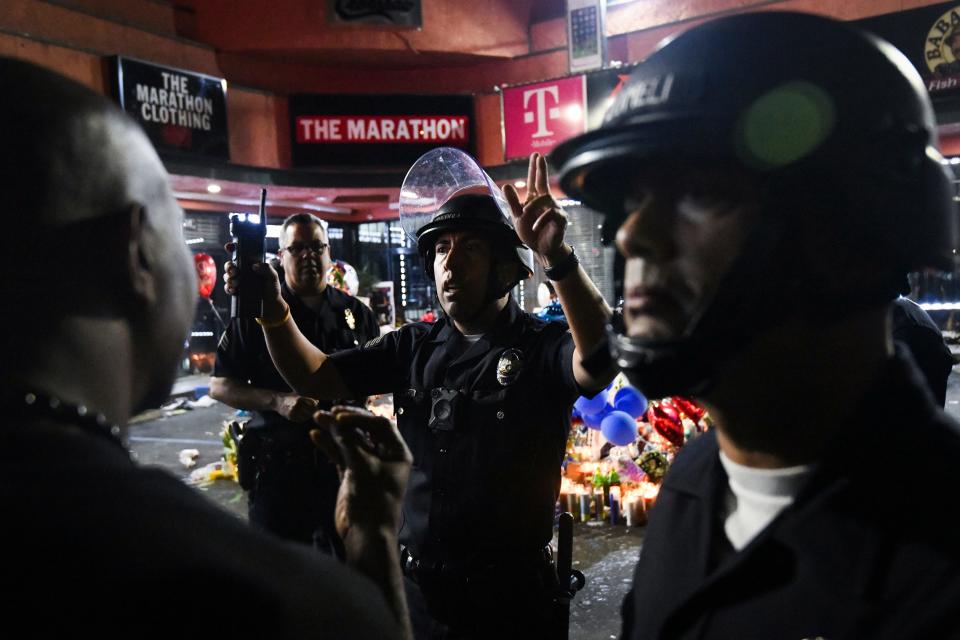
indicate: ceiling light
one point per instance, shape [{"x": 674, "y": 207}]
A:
[
  {"x": 520, "y": 184},
  {"x": 213, "y": 188}
]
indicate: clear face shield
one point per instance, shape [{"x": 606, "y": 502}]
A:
[{"x": 437, "y": 177}]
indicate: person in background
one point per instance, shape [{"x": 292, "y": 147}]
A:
[
  {"x": 97, "y": 546},
  {"x": 483, "y": 398},
  {"x": 292, "y": 487},
  {"x": 915, "y": 329},
  {"x": 765, "y": 231}
]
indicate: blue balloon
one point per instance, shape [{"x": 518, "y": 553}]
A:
[
  {"x": 619, "y": 428},
  {"x": 593, "y": 420},
  {"x": 591, "y": 406},
  {"x": 630, "y": 401}
]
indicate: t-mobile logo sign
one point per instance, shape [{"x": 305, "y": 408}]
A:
[
  {"x": 537, "y": 117},
  {"x": 541, "y": 114}
]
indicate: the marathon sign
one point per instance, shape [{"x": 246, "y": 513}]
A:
[
  {"x": 181, "y": 111},
  {"x": 538, "y": 117},
  {"x": 376, "y": 130},
  {"x": 452, "y": 131}
]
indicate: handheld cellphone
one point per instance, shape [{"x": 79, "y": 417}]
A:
[{"x": 249, "y": 236}]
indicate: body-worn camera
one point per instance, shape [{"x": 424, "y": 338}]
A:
[
  {"x": 250, "y": 240},
  {"x": 444, "y": 408}
]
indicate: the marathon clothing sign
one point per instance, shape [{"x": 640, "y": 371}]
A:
[
  {"x": 391, "y": 130},
  {"x": 181, "y": 111}
]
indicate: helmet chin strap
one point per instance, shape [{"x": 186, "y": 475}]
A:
[
  {"x": 750, "y": 298},
  {"x": 766, "y": 285}
]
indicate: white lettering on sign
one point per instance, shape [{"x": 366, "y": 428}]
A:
[
  {"x": 173, "y": 104},
  {"x": 637, "y": 94},
  {"x": 542, "y": 113},
  {"x": 381, "y": 129}
]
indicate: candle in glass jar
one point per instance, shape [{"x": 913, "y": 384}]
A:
[
  {"x": 584, "y": 506},
  {"x": 614, "y": 504}
]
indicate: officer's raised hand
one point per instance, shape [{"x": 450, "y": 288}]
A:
[
  {"x": 273, "y": 304},
  {"x": 539, "y": 220}
]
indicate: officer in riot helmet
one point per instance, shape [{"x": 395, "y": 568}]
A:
[
  {"x": 483, "y": 396},
  {"x": 770, "y": 178}
]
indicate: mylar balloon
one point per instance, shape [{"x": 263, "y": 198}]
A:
[
  {"x": 666, "y": 421},
  {"x": 206, "y": 273},
  {"x": 619, "y": 428}
]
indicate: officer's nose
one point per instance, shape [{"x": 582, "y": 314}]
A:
[
  {"x": 454, "y": 257},
  {"x": 648, "y": 230}
]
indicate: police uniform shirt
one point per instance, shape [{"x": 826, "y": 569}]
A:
[
  {"x": 913, "y": 327},
  {"x": 343, "y": 322},
  {"x": 489, "y": 483}
]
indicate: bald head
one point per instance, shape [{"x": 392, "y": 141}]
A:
[{"x": 93, "y": 242}]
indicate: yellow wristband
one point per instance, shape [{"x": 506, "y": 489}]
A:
[{"x": 267, "y": 324}]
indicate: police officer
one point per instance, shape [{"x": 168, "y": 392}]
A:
[
  {"x": 913, "y": 327},
  {"x": 483, "y": 398},
  {"x": 292, "y": 487},
  {"x": 768, "y": 207}
]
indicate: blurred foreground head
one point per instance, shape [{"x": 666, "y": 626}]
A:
[
  {"x": 754, "y": 169},
  {"x": 97, "y": 282}
]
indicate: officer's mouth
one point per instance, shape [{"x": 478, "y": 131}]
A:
[
  {"x": 651, "y": 301},
  {"x": 452, "y": 290}
]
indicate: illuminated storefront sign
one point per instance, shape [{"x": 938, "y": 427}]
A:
[
  {"x": 181, "y": 111},
  {"x": 538, "y": 117},
  {"x": 384, "y": 130}
]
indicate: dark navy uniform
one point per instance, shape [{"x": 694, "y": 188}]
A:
[
  {"x": 479, "y": 508},
  {"x": 292, "y": 487},
  {"x": 913, "y": 327},
  {"x": 859, "y": 554}
]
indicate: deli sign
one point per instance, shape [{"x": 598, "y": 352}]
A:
[
  {"x": 180, "y": 111},
  {"x": 392, "y": 130}
]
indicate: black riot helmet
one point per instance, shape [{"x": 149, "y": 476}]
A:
[
  {"x": 836, "y": 128},
  {"x": 446, "y": 190}
]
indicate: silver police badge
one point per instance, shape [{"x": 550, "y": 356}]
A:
[{"x": 509, "y": 366}]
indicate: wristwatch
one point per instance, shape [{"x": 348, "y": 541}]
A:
[{"x": 563, "y": 268}]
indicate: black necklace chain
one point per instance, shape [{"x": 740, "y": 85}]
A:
[{"x": 36, "y": 404}]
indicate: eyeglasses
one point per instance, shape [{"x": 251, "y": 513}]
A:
[{"x": 313, "y": 247}]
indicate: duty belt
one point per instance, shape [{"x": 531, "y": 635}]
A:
[{"x": 485, "y": 563}]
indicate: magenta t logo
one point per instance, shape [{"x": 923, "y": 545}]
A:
[{"x": 542, "y": 114}]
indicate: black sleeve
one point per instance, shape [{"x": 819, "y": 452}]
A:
[
  {"x": 931, "y": 355},
  {"x": 230, "y": 362},
  {"x": 378, "y": 366},
  {"x": 367, "y": 327},
  {"x": 558, "y": 351}
]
